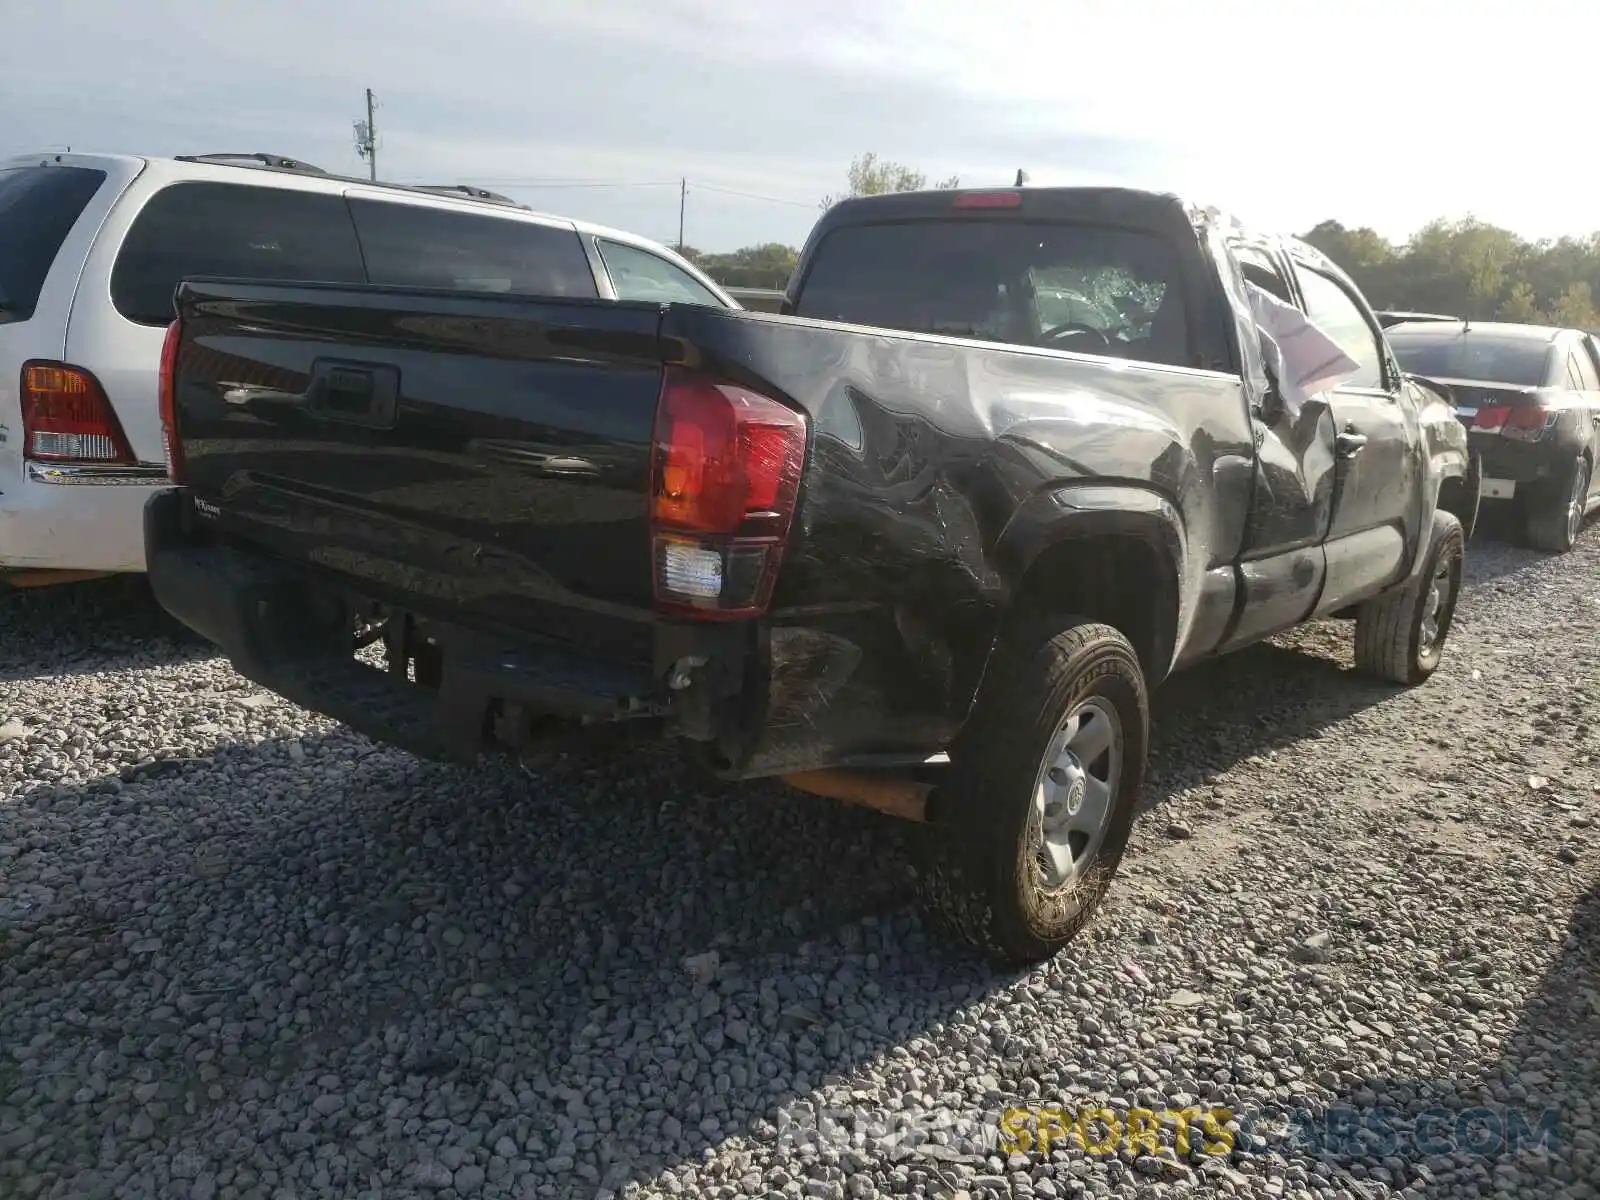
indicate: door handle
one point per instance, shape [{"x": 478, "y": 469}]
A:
[
  {"x": 1349, "y": 443},
  {"x": 354, "y": 393}
]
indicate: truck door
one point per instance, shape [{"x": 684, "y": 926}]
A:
[
  {"x": 1378, "y": 447},
  {"x": 1283, "y": 563}
]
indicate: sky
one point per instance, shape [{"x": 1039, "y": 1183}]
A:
[{"x": 1380, "y": 114}]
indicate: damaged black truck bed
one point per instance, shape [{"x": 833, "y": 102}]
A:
[{"x": 1007, "y": 460}]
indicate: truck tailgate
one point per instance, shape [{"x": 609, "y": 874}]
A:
[{"x": 483, "y": 457}]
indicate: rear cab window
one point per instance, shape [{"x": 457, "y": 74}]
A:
[
  {"x": 237, "y": 231},
  {"x": 1059, "y": 285},
  {"x": 38, "y": 208},
  {"x": 414, "y": 245}
]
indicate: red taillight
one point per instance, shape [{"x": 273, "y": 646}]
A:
[
  {"x": 1527, "y": 423},
  {"x": 66, "y": 417},
  {"x": 725, "y": 479},
  {"x": 1523, "y": 422},
  {"x": 987, "y": 200},
  {"x": 169, "y": 402}
]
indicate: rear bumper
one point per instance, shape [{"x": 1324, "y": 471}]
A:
[
  {"x": 290, "y": 632},
  {"x": 796, "y": 693},
  {"x": 1511, "y": 468},
  {"x": 76, "y": 519}
]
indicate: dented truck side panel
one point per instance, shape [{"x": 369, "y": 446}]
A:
[{"x": 939, "y": 471}]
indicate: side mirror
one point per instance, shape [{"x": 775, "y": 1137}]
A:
[{"x": 785, "y": 307}]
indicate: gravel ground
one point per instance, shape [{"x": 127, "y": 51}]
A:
[{"x": 246, "y": 953}]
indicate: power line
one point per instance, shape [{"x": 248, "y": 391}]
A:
[
  {"x": 683, "y": 184},
  {"x": 710, "y": 187}
]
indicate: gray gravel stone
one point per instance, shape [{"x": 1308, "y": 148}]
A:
[{"x": 244, "y": 952}]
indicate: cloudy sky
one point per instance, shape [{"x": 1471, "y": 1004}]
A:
[{"x": 1384, "y": 114}]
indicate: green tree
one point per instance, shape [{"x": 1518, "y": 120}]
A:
[
  {"x": 764, "y": 266},
  {"x": 1521, "y": 305},
  {"x": 1574, "y": 308},
  {"x": 1364, "y": 254},
  {"x": 1464, "y": 267},
  {"x": 870, "y": 175}
]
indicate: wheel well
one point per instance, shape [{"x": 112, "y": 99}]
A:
[
  {"x": 1125, "y": 582},
  {"x": 1461, "y": 495},
  {"x": 1453, "y": 494}
]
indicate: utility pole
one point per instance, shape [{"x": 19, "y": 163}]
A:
[
  {"x": 372, "y": 136},
  {"x": 683, "y": 199},
  {"x": 367, "y": 139}
]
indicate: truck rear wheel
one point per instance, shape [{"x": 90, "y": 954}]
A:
[
  {"x": 1400, "y": 635},
  {"x": 1046, "y": 778},
  {"x": 1555, "y": 518}
]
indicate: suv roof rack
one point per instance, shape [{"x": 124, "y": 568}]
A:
[
  {"x": 466, "y": 189},
  {"x": 282, "y": 162},
  {"x": 276, "y": 162}
]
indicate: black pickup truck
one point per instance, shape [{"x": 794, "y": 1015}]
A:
[{"x": 902, "y": 521}]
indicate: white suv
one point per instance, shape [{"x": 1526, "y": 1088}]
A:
[{"x": 92, "y": 247}]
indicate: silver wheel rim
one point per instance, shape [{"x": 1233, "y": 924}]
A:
[
  {"x": 1074, "y": 790},
  {"x": 1577, "y": 502},
  {"x": 1434, "y": 608}
]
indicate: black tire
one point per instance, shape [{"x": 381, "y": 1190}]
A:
[
  {"x": 1390, "y": 641},
  {"x": 1555, "y": 517},
  {"x": 980, "y": 880}
]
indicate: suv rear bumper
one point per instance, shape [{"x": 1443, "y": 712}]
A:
[{"x": 77, "y": 518}]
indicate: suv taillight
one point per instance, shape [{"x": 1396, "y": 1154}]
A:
[
  {"x": 169, "y": 402},
  {"x": 66, "y": 417},
  {"x": 725, "y": 478}
]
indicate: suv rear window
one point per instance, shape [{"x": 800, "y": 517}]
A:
[
  {"x": 232, "y": 230},
  {"x": 1091, "y": 289},
  {"x": 38, "y": 208},
  {"x": 411, "y": 245}
]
